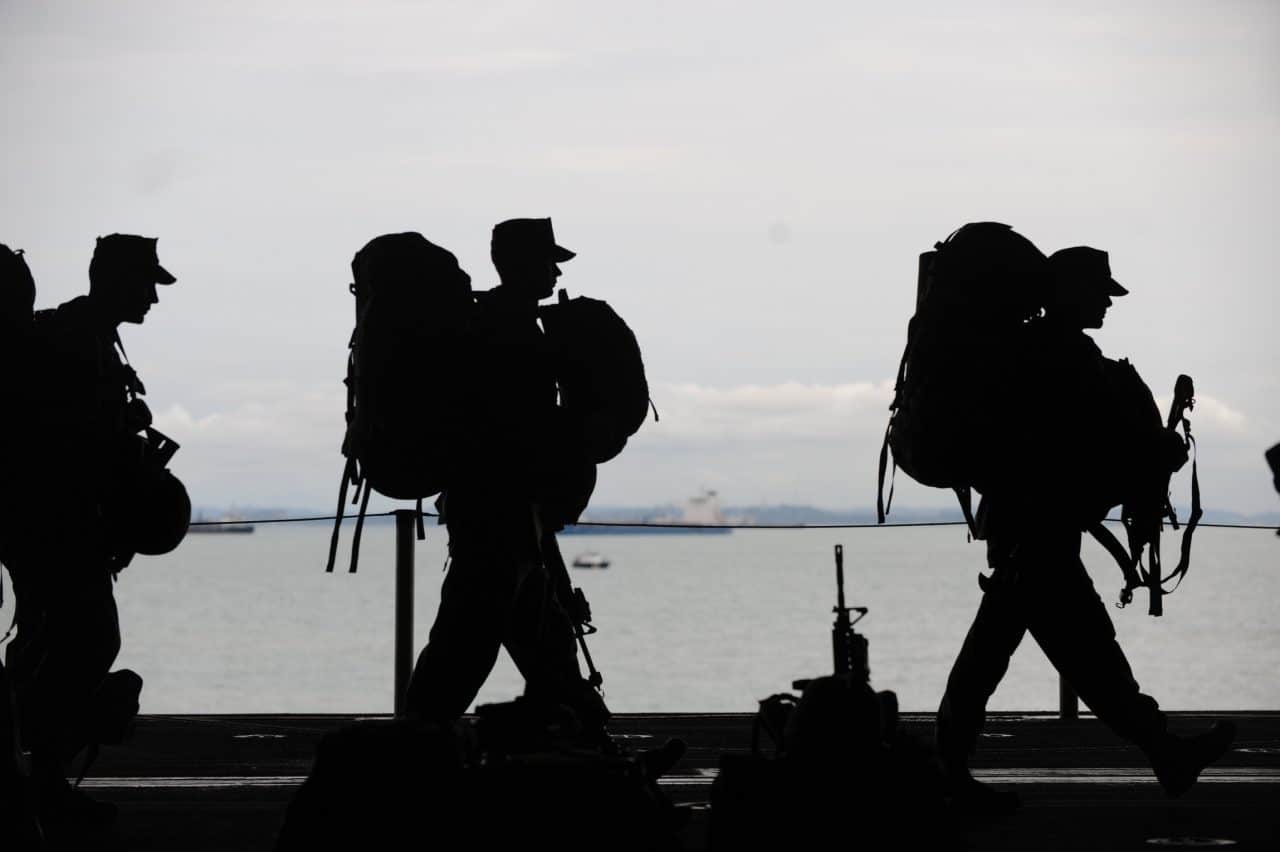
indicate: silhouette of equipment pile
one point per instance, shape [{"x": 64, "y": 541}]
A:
[
  {"x": 840, "y": 765},
  {"x": 514, "y": 775}
]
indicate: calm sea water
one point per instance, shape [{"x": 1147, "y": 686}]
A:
[{"x": 251, "y": 623}]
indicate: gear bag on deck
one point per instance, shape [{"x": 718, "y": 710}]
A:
[
  {"x": 950, "y": 423},
  {"x": 413, "y": 310}
]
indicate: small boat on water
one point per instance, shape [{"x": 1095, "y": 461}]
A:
[{"x": 590, "y": 559}]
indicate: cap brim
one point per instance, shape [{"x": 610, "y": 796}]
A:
[
  {"x": 162, "y": 275},
  {"x": 560, "y": 254},
  {"x": 1114, "y": 288}
]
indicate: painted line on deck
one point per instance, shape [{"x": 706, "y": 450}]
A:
[{"x": 704, "y": 777}]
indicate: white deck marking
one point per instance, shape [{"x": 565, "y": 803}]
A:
[{"x": 704, "y": 777}]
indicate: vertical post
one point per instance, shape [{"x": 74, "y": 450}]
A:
[
  {"x": 406, "y": 523},
  {"x": 1068, "y": 703}
]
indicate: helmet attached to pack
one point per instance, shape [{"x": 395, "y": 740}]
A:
[{"x": 159, "y": 514}]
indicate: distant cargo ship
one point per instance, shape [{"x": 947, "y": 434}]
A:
[
  {"x": 701, "y": 516},
  {"x": 201, "y": 524}
]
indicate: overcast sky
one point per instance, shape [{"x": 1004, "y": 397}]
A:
[{"x": 747, "y": 183}]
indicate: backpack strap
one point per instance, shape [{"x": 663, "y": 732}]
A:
[
  {"x": 348, "y": 476},
  {"x": 883, "y": 506},
  {"x": 133, "y": 385},
  {"x": 965, "y": 495},
  {"x": 1193, "y": 520},
  {"x": 1122, "y": 557},
  {"x": 364, "y": 507}
]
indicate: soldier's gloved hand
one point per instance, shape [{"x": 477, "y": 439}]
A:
[{"x": 1173, "y": 450}]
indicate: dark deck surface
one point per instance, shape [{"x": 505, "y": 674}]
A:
[{"x": 222, "y": 782}]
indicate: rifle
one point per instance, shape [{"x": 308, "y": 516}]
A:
[
  {"x": 574, "y": 602},
  {"x": 848, "y": 647}
]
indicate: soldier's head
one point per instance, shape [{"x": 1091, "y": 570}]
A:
[
  {"x": 17, "y": 288},
  {"x": 1082, "y": 287},
  {"x": 525, "y": 253},
  {"x": 123, "y": 276}
]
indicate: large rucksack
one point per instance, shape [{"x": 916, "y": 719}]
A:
[
  {"x": 600, "y": 372},
  {"x": 413, "y": 310},
  {"x": 950, "y": 424}
]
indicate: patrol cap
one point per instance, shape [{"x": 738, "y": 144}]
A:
[
  {"x": 529, "y": 237},
  {"x": 130, "y": 254},
  {"x": 1082, "y": 265}
]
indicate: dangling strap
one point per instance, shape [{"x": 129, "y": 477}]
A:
[
  {"x": 1193, "y": 520},
  {"x": 1155, "y": 600},
  {"x": 135, "y": 385},
  {"x": 1118, "y": 552},
  {"x": 655, "y": 410},
  {"x": 883, "y": 507},
  {"x": 422, "y": 530},
  {"x": 355, "y": 538},
  {"x": 965, "y": 495},
  {"x": 348, "y": 473}
]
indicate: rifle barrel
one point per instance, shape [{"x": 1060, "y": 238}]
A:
[{"x": 840, "y": 607}]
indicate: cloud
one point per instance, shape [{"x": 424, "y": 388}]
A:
[
  {"x": 787, "y": 411},
  {"x": 1213, "y": 415}
]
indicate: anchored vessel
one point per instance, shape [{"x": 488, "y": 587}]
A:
[{"x": 701, "y": 516}]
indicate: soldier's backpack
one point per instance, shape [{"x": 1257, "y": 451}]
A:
[
  {"x": 950, "y": 423},
  {"x": 413, "y": 310},
  {"x": 600, "y": 372},
  {"x": 17, "y": 289},
  {"x": 17, "y": 297}
]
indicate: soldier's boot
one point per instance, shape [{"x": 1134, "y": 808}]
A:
[
  {"x": 1178, "y": 761},
  {"x": 955, "y": 740}
]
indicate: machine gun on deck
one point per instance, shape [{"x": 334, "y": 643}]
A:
[{"x": 848, "y": 647}]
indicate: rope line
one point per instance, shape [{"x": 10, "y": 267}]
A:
[{"x": 681, "y": 526}]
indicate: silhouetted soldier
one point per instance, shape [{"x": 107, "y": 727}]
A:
[
  {"x": 1032, "y": 521},
  {"x": 17, "y": 299},
  {"x": 86, "y": 419},
  {"x": 499, "y": 591}
]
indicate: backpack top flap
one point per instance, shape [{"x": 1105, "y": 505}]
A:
[
  {"x": 17, "y": 289},
  {"x": 412, "y": 279},
  {"x": 413, "y": 303}
]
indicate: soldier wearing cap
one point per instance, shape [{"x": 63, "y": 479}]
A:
[
  {"x": 86, "y": 414},
  {"x": 1076, "y": 438},
  {"x": 498, "y": 591}
]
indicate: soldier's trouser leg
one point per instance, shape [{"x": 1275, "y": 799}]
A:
[
  {"x": 477, "y": 601},
  {"x": 1079, "y": 638},
  {"x": 73, "y": 636},
  {"x": 996, "y": 631},
  {"x": 543, "y": 645}
]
